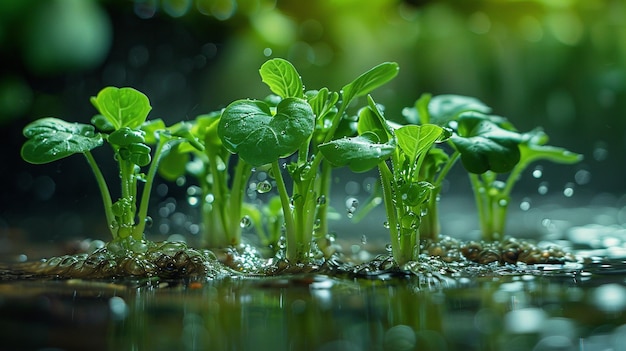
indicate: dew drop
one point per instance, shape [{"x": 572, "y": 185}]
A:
[
  {"x": 149, "y": 221},
  {"x": 543, "y": 188},
  {"x": 538, "y": 172},
  {"x": 503, "y": 202},
  {"x": 245, "y": 222},
  {"x": 263, "y": 187},
  {"x": 582, "y": 177},
  {"x": 388, "y": 248},
  {"x": 386, "y": 224},
  {"x": 321, "y": 200},
  {"x": 525, "y": 204},
  {"x": 209, "y": 198},
  {"x": 351, "y": 206},
  {"x": 193, "y": 201}
]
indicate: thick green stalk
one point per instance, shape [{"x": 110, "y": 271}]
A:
[
  {"x": 104, "y": 191},
  {"x": 290, "y": 227}
]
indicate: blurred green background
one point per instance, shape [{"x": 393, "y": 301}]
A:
[{"x": 560, "y": 64}]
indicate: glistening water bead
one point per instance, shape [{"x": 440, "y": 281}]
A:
[
  {"x": 245, "y": 222},
  {"x": 263, "y": 187}
]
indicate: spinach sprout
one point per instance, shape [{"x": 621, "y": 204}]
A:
[
  {"x": 487, "y": 145},
  {"x": 122, "y": 124},
  {"x": 399, "y": 152},
  {"x": 263, "y": 134}
]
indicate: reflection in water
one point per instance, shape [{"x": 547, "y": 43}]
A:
[{"x": 563, "y": 311}]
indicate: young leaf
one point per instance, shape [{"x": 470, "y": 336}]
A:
[
  {"x": 484, "y": 145},
  {"x": 416, "y": 140},
  {"x": 248, "y": 128},
  {"x": 125, "y": 136},
  {"x": 534, "y": 149},
  {"x": 51, "y": 139},
  {"x": 371, "y": 119},
  {"x": 122, "y": 107},
  {"x": 282, "y": 78},
  {"x": 360, "y": 153},
  {"x": 445, "y": 108},
  {"x": 322, "y": 101},
  {"x": 174, "y": 164},
  {"x": 369, "y": 81},
  {"x": 442, "y": 109}
]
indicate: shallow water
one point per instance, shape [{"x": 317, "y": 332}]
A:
[
  {"x": 555, "y": 308},
  {"x": 574, "y": 306}
]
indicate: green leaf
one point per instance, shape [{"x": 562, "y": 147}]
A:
[
  {"x": 371, "y": 119},
  {"x": 322, "y": 101},
  {"x": 445, "y": 108},
  {"x": 416, "y": 193},
  {"x": 282, "y": 78},
  {"x": 369, "y": 81},
  {"x": 360, "y": 153},
  {"x": 182, "y": 130},
  {"x": 125, "y": 136},
  {"x": 484, "y": 145},
  {"x": 51, "y": 139},
  {"x": 174, "y": 163},
  {"x": 151, "y": 128},
  {"x": 534, "y": 149},
  {"x": 102, "y": 123},
  {"x": 415, "y": 140},
  {"x": 248, "y": 128},
  {"x": 122, "y": 107}
]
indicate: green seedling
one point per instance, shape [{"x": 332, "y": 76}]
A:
[
  {"x": 122, "y": 124},
  {"x": 399, "y": 152},
  {"x": 296, "y": 122},
  {"x": 487, "y": 145},
  {"x": 222, "y": 205}
]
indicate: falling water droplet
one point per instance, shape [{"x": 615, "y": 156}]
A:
[
  {"x": 582, "y": 177},
  {"x": 209, "y": 198},
  {"x": 388, "y": 248},
  {"x": 525, "y": 204},
  {"x": 543, "y": 188},
  {"x": 538, "y": 172},
  {"x": 193, "y": 201},
  {"x": 568, "y": 191},
  {"x": 363, "y": 239},
  {"x": 263, "y": 187},
  {"x": 351, "y": 206}
]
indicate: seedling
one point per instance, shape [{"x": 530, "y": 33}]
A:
[
  {"x": 405, "y": 193},
  {"x": 262, "y": 133},
  {"x": 122, "y": 124},
  {"x": 487, "y": 146}
]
